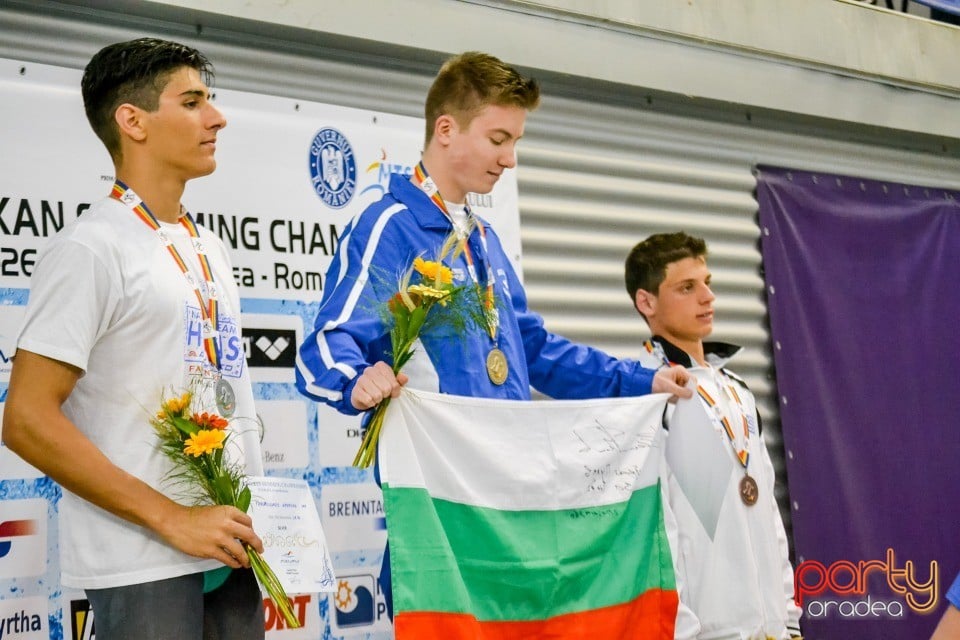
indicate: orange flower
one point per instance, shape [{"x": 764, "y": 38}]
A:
[
  {"x": 433, "y": 270},
  {"x": 204, "y": 441},
  {"x": 209, "y": 421},
  {"x": 395, "y": 303}
]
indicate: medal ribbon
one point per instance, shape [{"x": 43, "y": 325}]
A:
[
  {"x": 713, "y": 409},
  {"x": 426, "y": 184},
  {"x": 208, "y": 311}
]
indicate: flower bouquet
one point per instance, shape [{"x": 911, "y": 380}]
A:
[
  {"x": 410, "y": 310},
  {"x": 195, "y": 443}
]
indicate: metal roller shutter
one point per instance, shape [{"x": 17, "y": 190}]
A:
[{"x": 596, "y": 178}]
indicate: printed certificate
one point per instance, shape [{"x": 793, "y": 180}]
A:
[{"x": 286, "y": 519}]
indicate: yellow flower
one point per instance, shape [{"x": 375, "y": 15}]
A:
[
  {"x": 204, "y": 441},
  {"x": 428, "y": 269},
  {"x": 175, "y": 406},
  {"x": 429, "y": 292}
]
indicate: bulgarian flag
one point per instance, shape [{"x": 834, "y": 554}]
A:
[{"x": 518, "y": 520}]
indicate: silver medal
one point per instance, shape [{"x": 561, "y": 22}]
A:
[{"x": 226, "y": 399}]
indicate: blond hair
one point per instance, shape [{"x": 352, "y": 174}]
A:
[{"x": 468, "y": 82}]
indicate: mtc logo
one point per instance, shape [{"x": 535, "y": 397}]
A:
[{"x": 14, "y": 529}]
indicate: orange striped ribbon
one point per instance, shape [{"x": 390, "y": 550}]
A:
[{"x": 209, "y": 311}]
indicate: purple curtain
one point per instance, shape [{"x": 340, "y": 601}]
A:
[{"x": 864, "y": 302}]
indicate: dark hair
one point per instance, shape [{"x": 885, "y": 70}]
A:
[
  {"x": 468, "y": 82},
  {"x": 132, "y": 72},
  {"x": 646, "y": 264}
]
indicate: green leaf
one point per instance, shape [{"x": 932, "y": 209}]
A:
[
  {"x": 243, "y": 500},
  {"x": 416, "y": 321},
  {"x": 401, "y": 317},
  {"x": 223, "y": 485},
  {"x": 186, "y": 426},
  {"x": 402, "y": 360}
]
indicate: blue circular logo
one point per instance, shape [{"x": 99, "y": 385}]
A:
[{"x": 333, "y": 168}]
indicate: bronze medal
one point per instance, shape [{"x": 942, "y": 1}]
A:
[
  {"x": 749, "y": 491},
  {"x": 497, "y": 367}
]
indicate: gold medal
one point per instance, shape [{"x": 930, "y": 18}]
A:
[
  {"x": 497, "y": 367},
  {"x": 749, "y": 491}
]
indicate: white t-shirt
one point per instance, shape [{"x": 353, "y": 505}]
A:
[
  {"x": 107, "y": 297},
  {"x": 458, "y": 216}
]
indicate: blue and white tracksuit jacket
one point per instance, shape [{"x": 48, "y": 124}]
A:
[{"x": 349, "y": 333}]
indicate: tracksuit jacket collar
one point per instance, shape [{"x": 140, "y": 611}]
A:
[
  {"x": 422, "y": 207},
  {"x": 717, "y": 353}
]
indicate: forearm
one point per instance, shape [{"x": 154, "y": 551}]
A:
[
  {"x": 564, "y": 369},
  {"x": 53, "y": 444},
  {"x": 336, "y": 391},
  {"x": 36, "y": 428},
  {"x": 949, "y": 625}
]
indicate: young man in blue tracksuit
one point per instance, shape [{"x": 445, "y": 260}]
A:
[{"x": 475, "y": 114}]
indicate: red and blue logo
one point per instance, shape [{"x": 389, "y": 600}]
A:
[{"x": 14, "y": 529}]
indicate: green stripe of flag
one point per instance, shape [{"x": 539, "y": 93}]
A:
[{"x": 524, "y": 565}]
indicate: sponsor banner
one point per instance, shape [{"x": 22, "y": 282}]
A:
[
  {"x": 78, "y": 622},
  {"x": 12, "y": 466},
  {"x": 32, "y": 206},
  {"x": 23, "y": 538},
  {"x": 290, "y": 176},
  {"x": 284, "y": 441},
  {"x": 323, "y": 165},
  {"x": 78, "y": 617},
  {"x": 24, "y": 619},
  {"x": 357, "y": 608},
  {"x": 306, "y": 609},
  {"x": 352, "y": 517},
  {"x": 340, "y": 437},
  {"x": 270, "y": 342},
  {"x": 11, "y": 317}
]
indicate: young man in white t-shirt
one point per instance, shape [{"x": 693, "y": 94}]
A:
[
  {"x": 113, "y": 324},
  {"x": 734, "y": 575}
]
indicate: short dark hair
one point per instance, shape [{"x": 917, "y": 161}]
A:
[
  {"x": 468, "y": 82},
  {"x": 132, "y": 72},
  {"x": 646, "y": 264}
]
